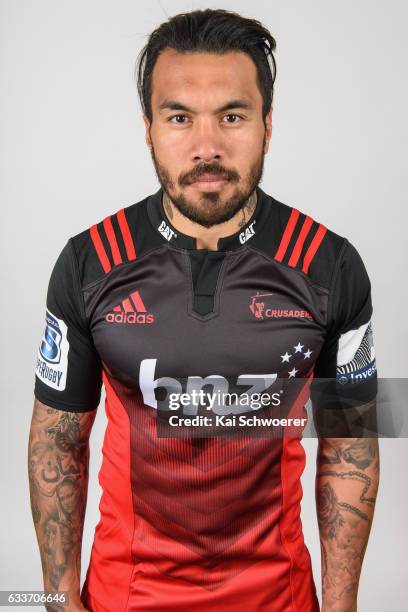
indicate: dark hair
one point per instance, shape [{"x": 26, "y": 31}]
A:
[{"x": 209, "y": 31}]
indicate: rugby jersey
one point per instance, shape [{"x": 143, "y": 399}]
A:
[{"x": 210, "y": 522}]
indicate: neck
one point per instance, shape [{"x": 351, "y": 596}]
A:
[{"x": 207, "y": 237}]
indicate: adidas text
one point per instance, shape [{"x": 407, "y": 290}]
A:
[{"x": 129, "y": 317}]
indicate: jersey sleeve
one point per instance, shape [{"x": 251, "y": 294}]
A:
[
  {"x": 347, "y": 359},
  {"x": 68, "y": 370}
]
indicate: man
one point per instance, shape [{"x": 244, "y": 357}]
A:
[{"x": 208, "y": 285}]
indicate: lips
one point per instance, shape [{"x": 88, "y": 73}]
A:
[
  {"x": 209, "y": 178},
  {"x": 210, "y": 183}
]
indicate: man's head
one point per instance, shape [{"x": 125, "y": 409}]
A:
[{"x": 206, "y": 86}]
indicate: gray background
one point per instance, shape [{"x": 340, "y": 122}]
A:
[{"x": 72, "y": 151}]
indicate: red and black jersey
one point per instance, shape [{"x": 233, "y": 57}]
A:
[{"x": 133, "y": 304}]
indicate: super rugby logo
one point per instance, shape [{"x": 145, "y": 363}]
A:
[
  {"x": 260, "y": 307},
  {"x": 50, "y": 347},
  {"x": 131, "y": 310},
  {"x": 52, "y": 359}
]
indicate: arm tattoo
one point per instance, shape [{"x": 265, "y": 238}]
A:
[
  {"x": 58, "y": 459},
  {"x": 352, "y": 475},
  {"x": 362, "y": 453},
  {"x": 345, "y": 504},
  {"x": 330, "y": 518}
]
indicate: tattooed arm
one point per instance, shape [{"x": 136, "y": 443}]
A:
[
  {"x": 58, "y": 459},
  {"x": 346, "y": 488}
]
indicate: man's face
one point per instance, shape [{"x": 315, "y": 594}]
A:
[{"x": 207, "y": 136}]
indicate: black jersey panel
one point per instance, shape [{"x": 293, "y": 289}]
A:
[
  {"x": 324, "y": 262},
  {"x": 206, "y": 267},
  {"x": 89, "y": 265},
  {"x": 349, "y": 306},
  {"x": 145, "y": 237},
  {"x": 268, "y": 320},
  {"x": 348, "y": 355},
  {"x": 351, "y": 295},
  {"x": 68, "y": 373}
]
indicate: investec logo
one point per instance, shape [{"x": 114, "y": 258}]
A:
[
  {"x": 131, "y": 310},
  {"x": 259, "y": 306}
]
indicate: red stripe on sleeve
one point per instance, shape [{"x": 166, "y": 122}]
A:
[
  {"x": 314, "y": 245},
  {"x": 127, "y": 237},
  {"x": 287, "y": 234},
  {"x": 100, "y": 249},
  {"x": 110, "y": 233},
  {"x": 297, "y": 249}
]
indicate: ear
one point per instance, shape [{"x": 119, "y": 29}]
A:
[
  {"x": 147, "y": 133},
  {"x": 268, "y": 127}
]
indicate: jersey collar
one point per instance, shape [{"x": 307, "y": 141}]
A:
[{"x": 163, "y": 226}]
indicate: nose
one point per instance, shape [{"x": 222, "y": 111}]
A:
[{"x": 206, "y": 143}]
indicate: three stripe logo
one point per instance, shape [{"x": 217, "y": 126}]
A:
[
  {"x": 302, "y": 248},
  {"x": 130, "y": 310},
  {"x": 113, "y": 241}
]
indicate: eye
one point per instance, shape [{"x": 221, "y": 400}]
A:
[
  {"x": 233, "y": 117},
  {"x": 171, "y": 119}
]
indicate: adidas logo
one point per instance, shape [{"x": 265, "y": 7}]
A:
[{"x": 131, "y": 310}]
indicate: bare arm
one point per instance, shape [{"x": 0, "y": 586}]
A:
[
  {"x": 58, "y": 460},
  {"x": 346, "y": 487}
]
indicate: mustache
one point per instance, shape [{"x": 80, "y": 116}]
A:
[{"x": 202, "y": 169}]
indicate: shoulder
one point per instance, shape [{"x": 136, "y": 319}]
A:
[
  {"x": 297, "y": 240},
  {"x": 120, "y": 237}
]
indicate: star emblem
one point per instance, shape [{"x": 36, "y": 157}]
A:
[
  {"x": 298, "y": 348},
  {"x": 292, "y": 373},
  {"x": 307, "y": 354},
  {"x": 286, "y": 357}
]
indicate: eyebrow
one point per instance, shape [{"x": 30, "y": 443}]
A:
[{"x": 178, "y": 106}]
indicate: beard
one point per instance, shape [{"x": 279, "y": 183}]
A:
[{"x": 212, "y": 208}]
